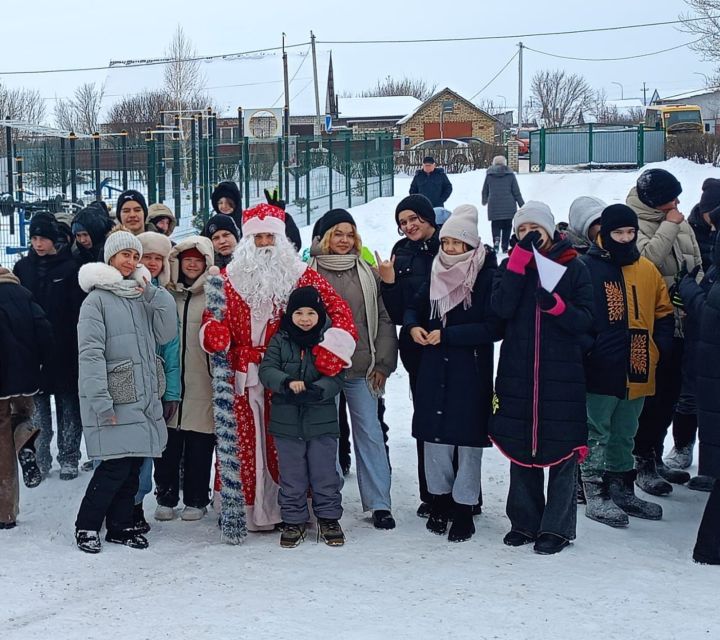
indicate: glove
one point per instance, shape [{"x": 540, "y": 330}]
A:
[
  {"x": 272, "y": 198},
  {"x": 522, "y": 254},
  {"x": 170, "y": 408},
  {"x": 326, "y": 362},
  {"x": 530, "y": 240},
  {"x": 216, "y": 337},
  {"x": 674, "y": 294},
  {"x": 550, "y": 303}
]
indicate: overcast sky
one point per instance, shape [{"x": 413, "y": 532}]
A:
[{"x": 42, "y": 34}]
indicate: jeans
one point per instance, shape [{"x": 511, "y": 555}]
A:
[
  {"x": 527, "y": 509},
  {"x": 146, "y": 480},
  {"x": 501, "y": 231},
  {"x": 612, "y": 424},
  {"x": 308, "y": 464},
  {"x": 441, "y": 475},
  {"x": 67, "y": 410},
  {"x": 373, "y": 468}
]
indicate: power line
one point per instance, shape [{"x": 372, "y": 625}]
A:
[
  {"x": 521, "y": 35},
  {"x": 639, "y": 55},
  {"x": 505, "y": 66}
]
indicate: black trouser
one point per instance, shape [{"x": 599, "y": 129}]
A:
[
  {"x": 657, "y": 414},
  {"x": 344, "y": 442},
  {"x": 196, "y": 451},
  {"x": 110, "y": 495},
  {"x": 707, "y": 547},
  {"x": 527, "y": 509},
  {"x": 501, "y": 231}
]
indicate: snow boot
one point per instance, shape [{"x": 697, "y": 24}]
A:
[
  {"x": 423, "y": 511},
  {"x": 164, "y": 514},
  {"x": 496, "y": 245},
  {"x": 680, "y": 457},
  {"x": 383, "y": 519},
  {"x": 550, "y": 543},
  {"x": 8, "y": 525},
  {"x": 599, "y": 505},
  {"x": 30, "y": 470},
  {"x": 330, "y": 532},
  {"x": 622, "y": 492},
  {"x": 514, "y": 538},
  {"x": 191, "y": 514},
  {"x": 676, "y": 476},
  {"x": 648, "y": 479},
  {"x": 68, "y": 471},
  {"x": 88, "y": 541},
  {"x": 439, "y": 514},
  {"x": 292, "y": 535},
  {"x": 140, "y": 525},
  {"x": 701, "y": 483},
  {"x": 463, "y": 527},
  {"x": 128, "y": 537}
]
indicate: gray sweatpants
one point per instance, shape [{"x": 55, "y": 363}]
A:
[
  {"x": 441, "y": 477},
  {"x": 304, "y": 465}
]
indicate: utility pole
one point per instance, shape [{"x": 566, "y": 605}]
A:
[
  {"x": 317, "y": 91},
  {"x": 520, "y": 85},
  {"x": 644, "y": 94},
  {"x": 286, "y": 121}
]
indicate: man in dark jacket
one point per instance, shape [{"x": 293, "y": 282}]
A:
[
  {"x": 431, "y": 182},
  {"x": 90, "y": 226},
  {"x": 50, "y": 273},
  {"x": 25, "y": 338}
]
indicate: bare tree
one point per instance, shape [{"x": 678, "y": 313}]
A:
[
  {"x": 561, "y": 97},
  {"x": 81, "y": 113},
  {"x": 22, "y": 104},
  {"x": 184, "y": 81},
  {"x": 137, "y": 113},
  {"x": 707, "y": 28},
  {"x": 406, "y": 86}
]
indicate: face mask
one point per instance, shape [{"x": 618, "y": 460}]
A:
[{"x": 621, "y": 254}]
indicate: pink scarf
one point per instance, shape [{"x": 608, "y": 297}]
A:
[{"x": 452, "y": 280}]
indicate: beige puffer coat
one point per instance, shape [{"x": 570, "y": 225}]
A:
[
  {"x": 195, "y": 411},
  {"x": 666, "y": 244}
]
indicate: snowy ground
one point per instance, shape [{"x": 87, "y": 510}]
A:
[{"x": 408, "y": 583}]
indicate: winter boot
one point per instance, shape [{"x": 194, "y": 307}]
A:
[
  {"x": 30, "y": 470},
  {"x": 164, "y": 514},
  {"x": 701, "y": 483},
  {"x": 496, "y": 245},
  {"x": 140, "y": 525},
  {"x": 514, "y": 538},
  {"x": 423, "y": 511},
  {"x": 680, "y": 457},
  {"x": 549, "y": 543},
  {"x": 292, "y": 535},
  {"x": 676, "y": 476},
  {"x": 88, "y": 541},
  {"x": 330, "y": 532},
  {"x": 579, "y": 490},
  {"x": 193, "y": 513},
  {"x": 68, "y": 471},
  {"x": 128, "y": 537},
  {"x": 648, "y": 479},
  {"x": 87, "y": 465},
  {"x": 383, "y": 519},
  {"x": 599, "y": 505},
  {"x": 622, "y": 492},
  {"x": 463, "y": 526},
  {"x": 439, "y": 514}
]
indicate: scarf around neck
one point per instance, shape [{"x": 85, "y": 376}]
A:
[{"x": 452, "y": 280}]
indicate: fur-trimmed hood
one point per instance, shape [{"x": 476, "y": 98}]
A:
[
  {"x": 204, "y": 246},
  {"x": 97, "y": 274}
]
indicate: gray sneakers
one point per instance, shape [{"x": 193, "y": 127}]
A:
[{"x": 680, "y": 457}]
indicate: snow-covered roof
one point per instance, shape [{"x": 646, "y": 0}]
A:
[
  {"x": 691, "y": 94},
  {"x": 627, "y": 103},
  {"x": 377, "y": 107}
]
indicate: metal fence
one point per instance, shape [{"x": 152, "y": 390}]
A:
[
  {"x": 595, "y": 146},
  {"x": 180, "y": 166}
]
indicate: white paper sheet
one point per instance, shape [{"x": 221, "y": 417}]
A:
[{"x": 549, "y": 272}]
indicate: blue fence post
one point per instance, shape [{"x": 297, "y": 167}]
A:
[
  {"x": 640, "y": 146},
  {"x": 590, "y": 146}
]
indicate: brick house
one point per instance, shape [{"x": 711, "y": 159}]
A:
[{"x": 460, "y": 119}]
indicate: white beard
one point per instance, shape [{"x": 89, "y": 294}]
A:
[{"x": 265, "y": 277}]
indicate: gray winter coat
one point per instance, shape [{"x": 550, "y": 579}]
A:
[
  {"x": 501, "y": 193},
  {"x": 117, "y": 338}
]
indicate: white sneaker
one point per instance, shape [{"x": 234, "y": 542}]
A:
[
  {"x": 164, "y": 514},
  {"x": 193, "y": 513}
]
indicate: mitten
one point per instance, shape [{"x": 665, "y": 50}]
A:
[
  {"x": 550, "y": 303},
  {"x": 216, "y": 337},
  {"x": 326, "y": 362},
  {"x": 170, "y": 408},
  {"x": 272, "y": 198}
]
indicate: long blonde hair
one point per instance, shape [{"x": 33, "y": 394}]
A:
[{"x": 325, "y": 240}]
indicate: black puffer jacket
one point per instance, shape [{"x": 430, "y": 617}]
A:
[
  {"x": 94, "y": 218},
  {"x": 704, "y": 235},
  {"x": 435, "y": 186},
  {"x": 413, "y": 263},
  {"x": 445, "y": 412},
  {"x": 25, "y": 338},
  {"x": 53, "y": 281},
  {"x": 540, "y": 416}
]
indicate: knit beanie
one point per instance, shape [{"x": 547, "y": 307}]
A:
[
  {"x": 43, "y": 224},
  {"x": 710, "y": 198},
  {"x": 418, "y": 204},
  {"x": 118, "y": 241},
  {"x": 615, "y": 217},
  {"x": 192, "y": 252},
  {"x": 131, "y": 196},
  {"x": 333, "y": 218},
  {"x": 537, "y": 212},
  {"x": 78, "y": 227},
  {"x": 304, "y": 297},
  {"x": 220, "y": 222},
  {"x": 656, "y": 187},
  {"x": 462, "y": 225},
  {"x": 584, "y": 212}
]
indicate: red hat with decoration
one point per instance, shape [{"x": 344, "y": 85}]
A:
[{"x": 263, "y": 218}]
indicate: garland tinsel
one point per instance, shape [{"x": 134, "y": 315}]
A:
[{"x": 233, "y": 523}]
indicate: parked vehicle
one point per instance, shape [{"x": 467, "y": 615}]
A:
[
  {"x": 674, "y": 118},
  {"x": 444, "y": 143}
]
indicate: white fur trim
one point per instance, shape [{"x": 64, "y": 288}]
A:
[
  {"x": 141, "y": 274},
  {"x": 340, "y": 343},
  {"x": 95, "y": 273},
  {"x": 270, "y": 224}
]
